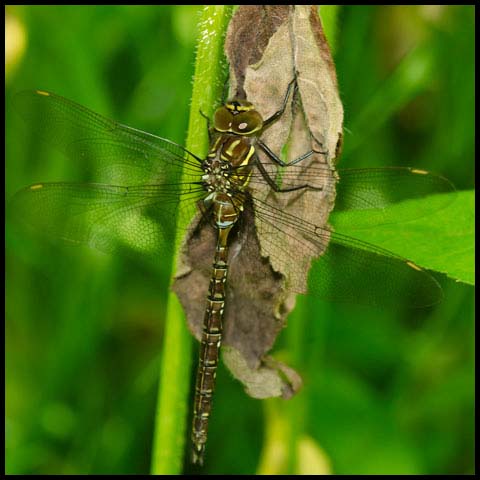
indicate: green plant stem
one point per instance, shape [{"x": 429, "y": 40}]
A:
[{"x": 174, "y": 383}]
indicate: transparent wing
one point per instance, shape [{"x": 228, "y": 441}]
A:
[
  {"x": 106, "y": 217},
  {"x": 135, "y": 190},
  {"x": 342, "y": 268},
  {"x": 108, "y": 151},
  {"x": 372, "y": 190}
]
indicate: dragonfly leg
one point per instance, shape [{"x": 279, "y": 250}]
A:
[
  {"x": 279, "y": 113},
  {"x": 275, "y": 187},
  {"x": 279, "y": 161}
]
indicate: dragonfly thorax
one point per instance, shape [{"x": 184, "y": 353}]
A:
[
  {"x": 217, "y": 176},
  {"x": 228, "y": 164},
  {"x": 227, "y": 172},
  {"x": 225, "y": 187}
]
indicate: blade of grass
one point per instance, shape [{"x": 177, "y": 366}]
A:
[
  {"x": 174, "y": 383},
  {"x": 409, "y": 78}
]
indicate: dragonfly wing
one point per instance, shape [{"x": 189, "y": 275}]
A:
[
  {"x": 371, "y": 191},
  {"x": 108, "y": 151},
  {"x": 336, "y": 267},
  {"x": 106, "y": 217},
  {"x": 356, "y": 272}
]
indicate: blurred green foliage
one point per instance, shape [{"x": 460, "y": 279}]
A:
[
  {"x": 385, "y": 392},
  {"x": 452, "y": 226}
]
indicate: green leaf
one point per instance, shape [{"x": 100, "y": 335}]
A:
[{"x": 443, "y": 241}]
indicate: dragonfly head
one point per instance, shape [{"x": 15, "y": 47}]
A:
[{"x": 239, "y": 117}]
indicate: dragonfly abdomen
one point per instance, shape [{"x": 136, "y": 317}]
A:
[{"x": 210, "y": 347}]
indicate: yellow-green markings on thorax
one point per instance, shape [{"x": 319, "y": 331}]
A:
[{"x": 231, "y": 147}]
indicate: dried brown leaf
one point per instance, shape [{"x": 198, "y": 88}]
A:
[
  {"x": 248, "y": 34},
  {"x": 269, "y": 46},
  {"x": 253, "y": 318}
]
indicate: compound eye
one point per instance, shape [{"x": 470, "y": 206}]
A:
[
  {"x": 246, "y": 123},
  {"x": 222, "y": 120}
]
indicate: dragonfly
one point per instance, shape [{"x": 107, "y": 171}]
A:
[{"x": 139, "y": 187}]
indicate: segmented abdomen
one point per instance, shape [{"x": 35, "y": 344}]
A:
[{"x": 209, "y": 351}]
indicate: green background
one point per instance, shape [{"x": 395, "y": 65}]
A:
[{"x": 385, "y": 392}]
